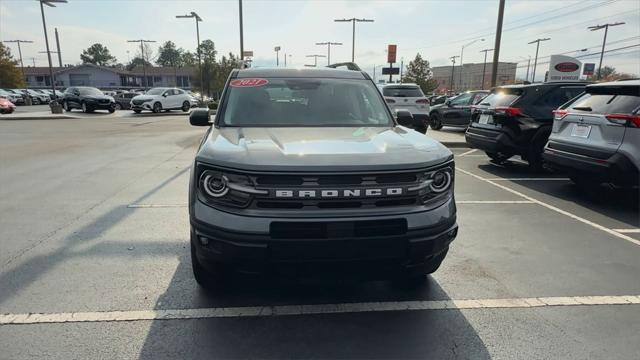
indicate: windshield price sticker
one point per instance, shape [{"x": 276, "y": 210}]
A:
[{"x": 250, "y": 82}]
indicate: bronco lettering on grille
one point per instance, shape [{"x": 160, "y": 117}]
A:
[{"x": 333, "y": 193}]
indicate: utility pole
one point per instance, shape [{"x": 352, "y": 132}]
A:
[
  {"x": 33, "y": 60},
  {"x": 241, "y": 35},
  {"x": 328, "y": 43},
  {"x": 198, "y": 20},
  {"x": 277, "y": 50},
  {"x": 461, "y": 54},
  {"x": 401, "y": 68},
  {"x": 535, "y": 62},
  {"x": 484, "y": 65},
  {"x": 285, "y": 59},
  {"x": 144, "y": 61},
  {"x": 604, "y": 41},
  {"x": 528, "y": 65},
  {"x": 374, "y": 73},
  {"x": 20, "y": 51},
  {"x": 315, "y": 59},
  {"x": 453, "y": 67},
  {"x": 353, "y": 35},
  {"x": 58, "y": 46},
  {"x": 496, "y": 46},
  {"x": 49, "y": 3}
]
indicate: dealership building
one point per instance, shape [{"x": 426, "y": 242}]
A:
[
  {"x": 109, "y": 78},
  {"x": 469, "y": 76}
]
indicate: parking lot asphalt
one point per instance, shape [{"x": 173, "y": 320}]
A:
[{"x": 94, "y": 236}]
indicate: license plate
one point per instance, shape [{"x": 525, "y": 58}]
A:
[
  {"x": 485, "y": 119},
  {"x": 581, "y": 130}
]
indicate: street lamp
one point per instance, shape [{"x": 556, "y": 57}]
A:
[
  {"x": 484, "y": 66},
  {"x": 461, "y": 54},
  {"x": 604, "y": 41},
  {"x": 277, "y": 50},
  {"x": 453, "y": 67},
  {"x": 50, "y": 3},
  {"x": 144, "y": 61},
  {"x": 328, "y": 43},
  {"x": 535, "y": 62},
  {"x": 353, "y": 36},
  {"x": 198, "y": 19},
  {"x": 315, "y": 58}
]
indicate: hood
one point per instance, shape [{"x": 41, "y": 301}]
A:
[
  {"x": 321, "y": 149},
  {"x": 144, "y": 97},
  {"x": 99, "y": 97}
]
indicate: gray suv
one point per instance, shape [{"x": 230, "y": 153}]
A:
[
  {"x": 596, "y": 137},
  {"x": 307, "y": 172}
]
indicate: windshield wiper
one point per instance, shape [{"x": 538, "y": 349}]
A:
[{"x": 583, "y": 108}]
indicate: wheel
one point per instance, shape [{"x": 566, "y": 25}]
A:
[
  {"x": 205, "y": 278},
  {"x": 118, "y": 106},
  {"x": 157, "y": 107},
  {"x": 534, "y": 154},
  {"x": 137, "y": 111},
  {"x": 435, "y": 123},
  {"x": 112, "y": 110},
  {"x": 66, "y": 107},
  {"x": 413, "y": 279},
  {"x": 84, "y": 108},
  {"x": 186, "y": 106},
  {"x": 498, "y": 157}
]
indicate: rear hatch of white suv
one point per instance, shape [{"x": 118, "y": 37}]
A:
[{"x": 406, "y": 97}]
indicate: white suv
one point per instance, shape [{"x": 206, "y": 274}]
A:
[
  {"x": 408, "y": 97},
  {"x": 158, "y": 99}
]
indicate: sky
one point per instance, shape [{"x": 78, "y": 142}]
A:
[{"x": 435, "y": 29}]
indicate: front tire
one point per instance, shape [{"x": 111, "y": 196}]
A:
[
  {"x": 413, "y": 279},
  {"x": 157, "y": 107},
  {"x": 435, "y": 123},
  {"x": 118, "y": 106},
  {"x": 205, "y": 278},
  {"x": 186, "y": 106},
  {"x": 66, "y": 106},
  {"x": 498, "y": 158},
  {"x": 85, "y": 109}
]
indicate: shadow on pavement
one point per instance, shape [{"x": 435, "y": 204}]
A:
[{"x": 436, "y": 334}]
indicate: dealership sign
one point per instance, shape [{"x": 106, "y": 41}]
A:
[
  {"x": 564, "y": 68},
  {"x": 588, "y": 69}
]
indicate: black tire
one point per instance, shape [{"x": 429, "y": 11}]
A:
[
  {"x": 137, "y": 111},
  {"x": 66, "y": 106},
  {"x": 413, "y": 280},
  {"x": 205, "y": 278},
  {"x": 186, "y": 106},
  {"x": 536, "y": 148},
  {"x": 85, "y": 108},
  {"x": 118, "y": 106},
  {"x": 112, "y": 110},
  {"x": 498, "y": 157},
  {"x": 435, "y": 123},
  {"x": 157, "y": 107}
]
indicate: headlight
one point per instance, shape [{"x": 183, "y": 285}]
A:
[
  {"x": 440, "y": 180},
  {"x": 214, "y": 184},
  {"x": 226, "y": 189}
]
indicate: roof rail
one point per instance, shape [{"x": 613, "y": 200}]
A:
[{"x": 349, "y": 65}]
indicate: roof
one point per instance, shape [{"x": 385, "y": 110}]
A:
[
  {"x": 300, "y": 73},
  {"x": 138, "y": 70},
  {"x": 408, "y": 85},
  {"x": 40, "y": 70},
  {"x": 553, "y": 83},
  {"x": 160, "y": 70},
  {"x": 634, "y": 82}
]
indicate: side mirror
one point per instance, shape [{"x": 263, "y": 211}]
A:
[
  {"x": 200, "y": 117},
  {"x": 76, "y": 93},
  {"x": 448, "y": 103},
  {"x": 405, "y": 118},
  {"x": 164, "y": 95}
]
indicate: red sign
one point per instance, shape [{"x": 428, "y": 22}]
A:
[
  {"x": 249, "y": 82},
  {"x": 391, "y": 53},
  {"x": 567, "y": 67}
]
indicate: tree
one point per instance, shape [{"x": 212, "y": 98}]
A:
[
  {"x": 189, "y": 58},
  {"x": 419, "y": 72},
  {"x": 137, "y": 61},
  {"x": 169, "y": 55},
  {"x": 610, "y": 73},
  {"x": 97, "y": 54},
  {"x": 208, "y": 53},
  {"x": 222, "y": 70},
  {"x": 10, "y": 74}
]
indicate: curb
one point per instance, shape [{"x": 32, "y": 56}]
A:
[{"x": 38, "y": 117}]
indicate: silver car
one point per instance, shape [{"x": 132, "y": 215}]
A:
[{"x": 596, "y": 137}]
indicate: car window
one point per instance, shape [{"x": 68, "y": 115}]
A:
[
  {"x": 477, "y": 97},
  {"x": 305, "y": 102},
  {"x": 501, "y": 97},
  {"x": 90, "y": 91},
  {"x": 402, "y": 91},
  {"x": 558, "y": 96},
  {"x": 461, "y": 99},
  {"x": 606, "y": 103}
]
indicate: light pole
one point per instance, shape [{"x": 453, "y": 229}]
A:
[
  {"x": 315, "y": 59},
  {"x": 198, "y": 19},
  {"x": 144, "y": 61},
  {"x": 277, "y": 50},
  {"x": 461, "y": 54},
  {"x": 19, "y": 51},
  {"x": 328, "y": 43},
  {"x": 453, "y": 67},
  {"x": 241, "y": 35},
  {"x": 496, "y": 44},
  {"x": 604, "y": 41},
  {"x": 535, "y": 62},
  {"x": 528, "y": 65},
  {"x": 49, "y": 3},
  {"x": 353, "y": 36},
  {"x": 484, "y": 65}
]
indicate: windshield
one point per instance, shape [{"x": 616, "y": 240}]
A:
[
  {"x": 90, "y": 91},
  {"x": 156, "y": 91},
  {"x": 305, "y": 102},
  {"x": 402, "y": 91},
  {"x": 501, "y": 97}
]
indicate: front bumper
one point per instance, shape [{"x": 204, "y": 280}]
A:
[
  {"x": 254, "y": 244},
  {"x": 101, "y": 106},
  {"x": 143, "y": 106},
  {"x": 490, "y": 140}
]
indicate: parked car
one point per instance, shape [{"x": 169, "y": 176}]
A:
[
  {"x": 16, "y": 99},
  {"x": 439, "y": 99},
  {"x": 36, "y": 97},
  {"x": 158, "y": 99},
  {"x": 123, "y": 100},
  {"x": 517, "y": 119},
  {"x": 596, "y": 138},
  {"x": 6, "y": 106},
  {"x": 408, "y": 97},
  {"x": 309, "y": 167},
  {"x": 455, "y": 111},
  {"x": 88, "y": 99}
]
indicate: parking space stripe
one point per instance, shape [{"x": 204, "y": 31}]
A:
[
  {"x": 554, "y": 208},
  {"x": 627, "y": 231},
  {"x": 467, "y": 152},
  {"x": 144, "y": 206},
  {"x": 529, "y": 179},
  {"x": 494, "y": 202},
  {"x": 287, "y": 310}
]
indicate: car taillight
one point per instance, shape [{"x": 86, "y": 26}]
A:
[
  {"x": 509, "y": 111},
  {"x": 389, "y": 101},
  {"x": 624, "y": 119},
  {"x": 422, "y": 101},
  {"x": 559, "y": 114}
]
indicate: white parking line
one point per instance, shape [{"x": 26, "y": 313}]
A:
[
  {"x": 627, "y": 231},
  {"x": 556, "y": 209},
  {"x": 529, "y": 179},
  {"x": 494, "y": 202},
  {"x": 467, "y": 152},
  {"x": 283, "y": 310},
  {"x": 144, "y": 206}
]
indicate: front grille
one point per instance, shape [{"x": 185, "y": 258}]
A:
[
  {"x": 137, "y": 102},
  {"x": 337, "y": 229}
]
